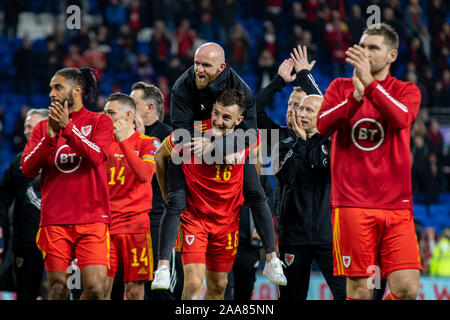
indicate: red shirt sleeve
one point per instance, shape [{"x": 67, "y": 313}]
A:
[
  {"x": 398, "y": 108},
  {"x": 336, "y": 108},
  {"x": 37, "y": 149},
  {"x": 143, "y": 167},
  {"x": 95, "y": 150}
]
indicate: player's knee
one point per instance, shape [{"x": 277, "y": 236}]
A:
[
  {"x": 406, "y": 291},
  {"x": 357, "y": 288},
  {"x": 217, "y": 287},
  {"x": 94, "y": 291},
  {"x": 57, "y": 289},
  {"x": 134, "y": 291},
  {"x": 362, "y": 293},
  {"x": 193, "y": 285}
]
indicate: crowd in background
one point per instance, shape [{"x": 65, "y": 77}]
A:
[{"x": 257, "y": 35}]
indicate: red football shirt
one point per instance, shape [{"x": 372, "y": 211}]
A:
[
  {"x": 370, "y": 149},
  {"x": 73, "y": 179},
  {"x": 214, "y": 189},
  {"x": 131, "y": 165}
]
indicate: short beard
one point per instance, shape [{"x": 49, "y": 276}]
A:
[{"x": 70, "y": 100}]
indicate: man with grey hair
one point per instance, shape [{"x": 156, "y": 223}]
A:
[
  {"x": 27, "y": 260},
  {"x": 149, "y": 103}
]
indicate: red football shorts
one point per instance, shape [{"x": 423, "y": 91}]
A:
[
  {"x": 60, "y": 244},
  {"x": 369, "y": 240},
  {"x": 133, "y": 251},
  {"x": 206, "y": 242}
]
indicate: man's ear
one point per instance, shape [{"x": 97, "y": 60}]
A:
[
  {"x": 130, "y": 115},
  {"x": 222, "y": 66},
  {"x": 76, "y": 91},
  {"x": 239, "y": 120},
  {"x": 393, "y": 55}
]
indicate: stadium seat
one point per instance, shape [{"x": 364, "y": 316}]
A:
[
  {"x": 440, "y": 214},
  {"x": 444, "y": 197},
  {"x": 438, "y": 210},
  {"x": 39, "y": 45},
  {"x": 420, "y": 212},
  {"x": 39, "y": 101},
  {"x": 251, "y": 80},
  {"x": 143, "y": 47}
]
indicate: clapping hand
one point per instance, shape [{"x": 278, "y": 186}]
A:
[
  {"x": 59, "y": 115},
  {"x": 285, "y": 70},
  {"x": 357, "y": 57},
  {"x": 297, "y": 125},
  {"x": 358, "y": 94}
]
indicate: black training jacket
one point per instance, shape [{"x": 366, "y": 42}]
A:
[
  {"x": 159, "y": 130},
  {"x": 26, "y": 195},
  {"x": 303, "y": 188},
  {"x": 187, "y": 103}
]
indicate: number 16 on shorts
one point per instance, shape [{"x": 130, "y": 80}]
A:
[{"x": 233, "y": 242}]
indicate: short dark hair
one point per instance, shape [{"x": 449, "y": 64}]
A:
[
  {"x": 388, "y": 32},
  {"x": 123, "y": 99},
  {"x": 85, "y": 78},
  {"x": 230, "y": 97},
  {"x": 151, "y": 92}
]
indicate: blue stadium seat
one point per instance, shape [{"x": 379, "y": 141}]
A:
[
  {"x": 4, "y": 44},
  {"x": 15, "y": 100},
  {"x": 39, "y": 45},
  {"x": 444, "y": 197},
  {"x": 438, "y": 210},
  {"x": 251, "y": 80},
  {"x": 10, "y": 122},
  {"x": 440, "y": 214},
  {"x": 420, "y": 212},
  {"x": 93, "y": 7},
  {"x": 39, "y": 100},
  {"x": 143, "y": 47}
]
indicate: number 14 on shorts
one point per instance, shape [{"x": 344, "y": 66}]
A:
[{"x": 143, "y": 257}]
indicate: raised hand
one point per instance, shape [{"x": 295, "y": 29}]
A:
[
  {"x": 120, "y": 130},
  {"x": 52, "y": 128},
  {"x": 297, "y": 126},
  {"x": 59, "y": 114},
  {"x": 139, "y": 123},
  {"x": 300, "y": 57},
  {"x": 358, "y": 94},
  {"x": 357, "y": 57},
  {"x": 285, "y": 70}
]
